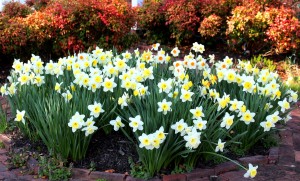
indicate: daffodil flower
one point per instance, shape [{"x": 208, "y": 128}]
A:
[
  {"x": 95, "y": 109},
  {"x": 179, "y": 127},
  {"x": 284, "y": 105},
  {"x": 220, "y": 146},
  {"x": 267, "y": 125},
  {"x": 136, "y": 123},
  {"x": 248, "y": 117},
  {"x": 164, "y": 106},
  {"x": 197, "y": 112},
  {"x": 251, "y": 172},
  {"x": 20, "y": 116},
  {"x": 76, "y": 122},
  {"x": 200, "y": 124},
  {"x": 175, "y": 52},
  {"x": 227, "y": 120},
  {"x": 192, "y": 139},
  {"x": 89, "y": 130},
  {"x": 117, "y": 123}
]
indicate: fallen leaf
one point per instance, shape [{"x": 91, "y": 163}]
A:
[{"x": 110, "y": 171}]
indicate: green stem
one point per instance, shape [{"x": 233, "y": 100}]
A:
[{"x": 222, "y": 156}]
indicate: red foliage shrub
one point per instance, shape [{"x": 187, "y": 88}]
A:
[
  {"x": 16, "y": 9},
  {"x": 183, "y": 18},
  {"x": 68, "y": 26},
  {"x": 180, "y": 19},
  {"x": 210, "y": 26},
  {"x": 254, "y": 24},
  {"x": 221, "y": 8},
  {"x": 13, "y": 37},
  {"x": 37, "y": 4},
  {"x": 284, "y": 31},
  {"x": 151, "y": 18}
]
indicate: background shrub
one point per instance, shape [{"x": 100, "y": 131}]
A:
[
  {"x": 37, "y": 4},
  {"x": 182, "y": 17},
  {"x": 210, "y": 26},
  {"x": 151, "y": 18},
  {"x": 284, "y": 31},
  {"x": 256, "y": 27},
  {"x": 265, "y": 26},
  {"x": 16, "y": 9},
  {"x": 62, "y": 27}
]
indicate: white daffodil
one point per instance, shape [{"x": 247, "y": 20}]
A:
[
  {"x": 267, "y": 125},
  {"x": 293, "y": 96},
  {"x": 24, "y": 79},
  {"x": 186, "y": 95},
  {"x": 155, "y": 46},
  {"x": 89, "y": 129},
  {"x": 248, "y": 84},
  {"x": 211, "y": 58},
  {"x": 3, "y": 90},
  {"x": 147, "y": 73},
  {"x": 230, "y": 76},
  {"x": 20, "y": 116},
  {"x": 192, "y": 139},
  {"x": 39, "y": 80},
  {"x": 57, "y": 87},
  {"x": 96, "y": 109},
  {"x": 67, "y": 95},
  {"x": 220, "y": 146},
  {"x": 165, "y": 85},
  {"x": 160, "y": 134},
  {"x": 117, "y": 123},
  {"x": 284, "y": 105},
  {"x": 122, "y": 101},
  {"x": 274, "y": 117},
  {"x": 108, "y": 85},
  {"x": 200, "y": 124},
  {"x": 248, "y": 117},
  {"x": 235, "y": 105},
  {"x": 76, "y": 122},
  {"x": 11, "y": 90},
  {"x": 198, "y": 47},
  {"x": 251, "y": 172},
  {"x": 136, "y": 123},
  {"x": 197, "y": 112},
  {"x": 227, "y": 120},
  {"x": 145, "y": 141},
  {"x": 175, "y": 52},
  {"x": 18, "y": 66},
  {"x": 90, "y": 121},
  {"x": 164, "y": 106},
  {"x": 120, "y": 64},
  {"x": 179, "y": 126},
  {"x": 287, "y": 118}
]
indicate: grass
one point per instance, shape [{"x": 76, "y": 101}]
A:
[
  {"x": 294, "y": 84},
  {"x": 2, "y": 146},
  {"x": 3, "y": 120}
]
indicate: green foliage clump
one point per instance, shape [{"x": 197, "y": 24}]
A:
[
  {"x": 53, "y": 169},
  {"x": 262, "y": 62}
]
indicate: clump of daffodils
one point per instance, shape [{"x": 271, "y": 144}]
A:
[{"x": 175, "y": 84}]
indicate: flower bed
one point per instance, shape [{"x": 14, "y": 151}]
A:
[{"x": 173, "y": 111}]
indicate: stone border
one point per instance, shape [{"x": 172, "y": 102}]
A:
[{"x": 79, "y": 174}]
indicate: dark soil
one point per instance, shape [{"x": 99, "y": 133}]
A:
[
  {"x": 4, "y": 71},
  {"x": 109, "y": 153}
]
